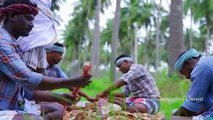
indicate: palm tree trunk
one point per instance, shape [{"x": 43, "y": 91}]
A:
[
  {"x": 146, "y": 62},
  {"x": 175, "y": 43},
  {"x": 96, "y": 40},
  {"x": 115, "y": 38},
  {"x": 157, "y": 58},
  {"x": 207, "y": 40},
  {"x": 135, "y": 45},
  {"x": 75, "y": 62},
  {"x": 190, "y": 34}
]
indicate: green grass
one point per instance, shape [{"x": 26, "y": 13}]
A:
[
  {"x": 173, "y": 90},
  {"x": 167, "y": 108}
]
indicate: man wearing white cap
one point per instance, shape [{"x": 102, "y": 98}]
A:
[
  {"x": 138, "y": 82},
  {"x": 199, "y": 69}
]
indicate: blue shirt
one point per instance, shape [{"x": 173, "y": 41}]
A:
[
  {"x": 200, "y": 93},
  {"x": 55, "y": 71},
  {"x": 14, "y": 75}
]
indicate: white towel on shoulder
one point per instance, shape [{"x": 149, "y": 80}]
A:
[{"x": 44, "y": 31}]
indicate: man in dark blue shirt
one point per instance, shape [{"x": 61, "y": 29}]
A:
[{"x": 199, "y": 69}]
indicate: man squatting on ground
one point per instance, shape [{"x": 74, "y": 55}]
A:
[
  {"x": 54, "y": 56},
  {"x": 16, "y": 78},
  {"x": 138, "y": 82}
]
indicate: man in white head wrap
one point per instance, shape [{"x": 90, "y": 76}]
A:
[
  {"x": 138, "y": 83},
  {"x": 54, "y": 56},
  {"x": 43, "y": 33}
]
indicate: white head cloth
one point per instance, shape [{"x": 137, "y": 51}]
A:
[
  {"x": 55, "y": 48},
  {"x": 121, "y": 60}
]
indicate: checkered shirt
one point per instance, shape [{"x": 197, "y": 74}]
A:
[
  {"x": 14, "y": 75},
  {"x": 140, "y": 83}
]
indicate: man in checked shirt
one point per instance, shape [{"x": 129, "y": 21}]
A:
[
  {"x": 15, "y": 77},
  {"x": 138, "y": 82}
]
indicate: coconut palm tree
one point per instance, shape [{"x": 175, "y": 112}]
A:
[
  {"x": 201, "y": 12},
  {"x": 78, "y": 33},
  {"x": 175, "y": 43},
  {"x": 157, "y": 57},
  {"x": 96, "y": 40},
  {"x": 115, "y": 34}
]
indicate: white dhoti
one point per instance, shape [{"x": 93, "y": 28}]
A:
[
  {"x": 7, "y": 114},
  {"x": 32, "y": 107}
]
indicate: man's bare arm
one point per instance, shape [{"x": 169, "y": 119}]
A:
[{"x": 50, "y": 83}]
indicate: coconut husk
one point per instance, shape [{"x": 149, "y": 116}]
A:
[{"x": 92, "y": 111}]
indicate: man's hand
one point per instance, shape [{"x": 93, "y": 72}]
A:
[
  {"x": 90, "y": 99},
  {"x": 50, "y": 83},
  {"x": 102, "y": 95},
  {"x": 68, "y": 99},
  {"x": 80, "y": 81},
  {"x": 117, "y": 100},
  {"x": 184, "y": 112},
  {"x": 78, "y": 98},
  {"x": 87, "y": 97},
  {"x": 115, "y": 86}
]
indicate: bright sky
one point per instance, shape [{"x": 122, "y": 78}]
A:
[{"x": 66, "y": 8}]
